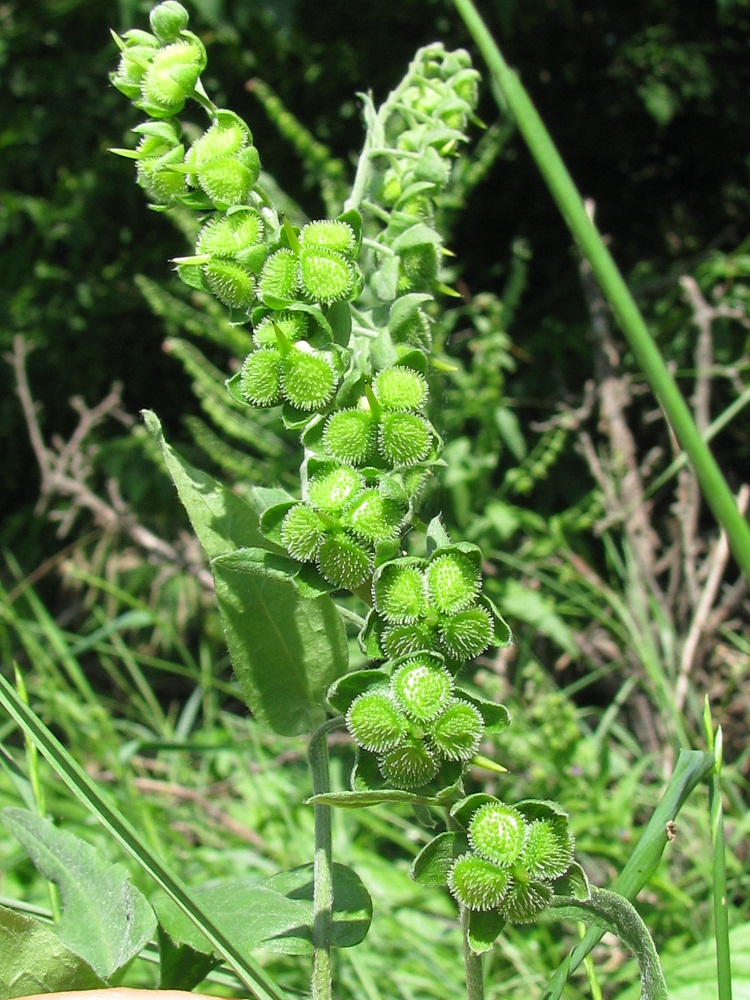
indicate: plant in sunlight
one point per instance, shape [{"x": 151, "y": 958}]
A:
[{"x": 340, "y": 312}]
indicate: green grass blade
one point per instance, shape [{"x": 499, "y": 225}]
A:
[
  {"x": 692, "y": 766},
  {"x": 717, "y": 494},
  {"x": 721, "y": 916},
  {"x": 251, "y": 974}
]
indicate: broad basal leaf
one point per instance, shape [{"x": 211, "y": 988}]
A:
[
  {"x": 105, "y": 919},
  {"x": 33, "y": 959}
]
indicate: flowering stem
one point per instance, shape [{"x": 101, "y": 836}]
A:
[
  {"x": 472, "y": 963},
  {"x": 317, "y": 754}
]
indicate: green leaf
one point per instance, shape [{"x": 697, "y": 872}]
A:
[
  {"x": 343, "y": 691},
  {"x": 484, "y": 929},
  {"x": 614, "y": 913},
  {"x": 276, "y": 913},
  {"x": 221, "y": 520},
  {"x": 286, "y": 648},
  {"x": 250, "y": 973},
  {"x": 180, "y": 966},
  {"x": 105, "y": 919},
  {"x": 433, "y": 863},
  {"x": 33, "y": 959}
]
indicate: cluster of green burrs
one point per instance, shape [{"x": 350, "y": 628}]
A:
[{"x": 515, "y": 856}]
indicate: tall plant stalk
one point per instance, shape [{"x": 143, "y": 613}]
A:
[{"x": 713, "y": 485}]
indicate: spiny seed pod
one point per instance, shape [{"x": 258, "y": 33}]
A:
[
  {"x": 329, "y": 234},
  {"x": 402, "y": 640},
  {"x": 226, "y": 137},
  {"x": 229, "y": 182},
  {"x": 400, "y": 389},
  {"x": 374, "y": 517},
  {"x": 548, "y": 852},
  {"x": 171, "y": 77},
  {"x": 410, "y": 765},
  {"x": 478, "y": 884},
  {"x": 419, "y": 268},
  {"x": 308, "y": 377},
  {"x": 498, "y": 832},
  {"x": 157, "y": 180},
  {"x": 453, "y": 582},
  {"x": 343, "y": 562},
  {"x": 467, "y": 633},
  {"x": 350, "y": 435},
  {"x": 167, "y": 20},
  {"x": 260, "y": 379},
  {"x": 139, "y": 48},
  {"x": 376, "y": 723},
  {"x": 332, "y": 491},
  {"x": 293, "y": 326},
  {"x": 422, "y": 687},
  {"x": 326, "y": 276},
  {"x": 525, "y": 901},
  {"x": 279, "y": 279},
  {"x": 404, "y": 438},
  {"x": 302, "y": 532},
  {"x": 230, "y": 235},
  {"x": 398, "y": 593},
  {"x": 230, "y": 282},
  {"x": 457, "y": 733}
]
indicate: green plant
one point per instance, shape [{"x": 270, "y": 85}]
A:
[{"x": 340, "y": 311}]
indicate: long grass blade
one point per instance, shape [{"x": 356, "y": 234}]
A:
[
  {"x": 251, "y": 974},
  {"x": 721, "y": 916},
  {"x": 717, "y": 494}
]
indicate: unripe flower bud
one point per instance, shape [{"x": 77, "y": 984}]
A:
[{"x": 167, "y": 20}]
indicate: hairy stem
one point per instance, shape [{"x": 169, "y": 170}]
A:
[
  {"x": 472, "y": 963},
  {"x": 317, "y": 753}
]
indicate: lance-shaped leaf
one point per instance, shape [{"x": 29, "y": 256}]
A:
[
  {"x": 287, "y": 648},
  {"x": 33, "y": 959},
  {"x": 222, "y": 521},
  {"x": 105, "y": 919}
]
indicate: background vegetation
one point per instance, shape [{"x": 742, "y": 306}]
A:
[{"x": 625, "y": 607}]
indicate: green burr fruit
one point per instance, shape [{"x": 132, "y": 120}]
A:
[
  {"x": 399, "y": 593},
  {"x": 453, "y": 583},
  {"x": 344, "y": 562},
  {"x": 404, "y": 439},
  {"x": 457, "y": 732},
  {"x": 467, "y": 633},
  {"x": 308, "y": 377},
  {"x": 498, "y": 832},
  {"x": 477, "y": 884},
  {"x": 376, "y": 723},
  {"x": 302, "y": 532},
  {"x": 422, "y": 687},
  {"x": 399, "y": 388},
  {"x": 409, "y": 765},
  {"x": 260, "y": 378},
  {"x": 349, "y": 436},
  {"x": 331, "y": 491},
  {"x": 328, "y": 234}
]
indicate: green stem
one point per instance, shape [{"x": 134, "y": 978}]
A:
[
  {"x": 472, "y": 963},
  {"x": 317, "y": 754},
  {"x": 713, "y": 485}
]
